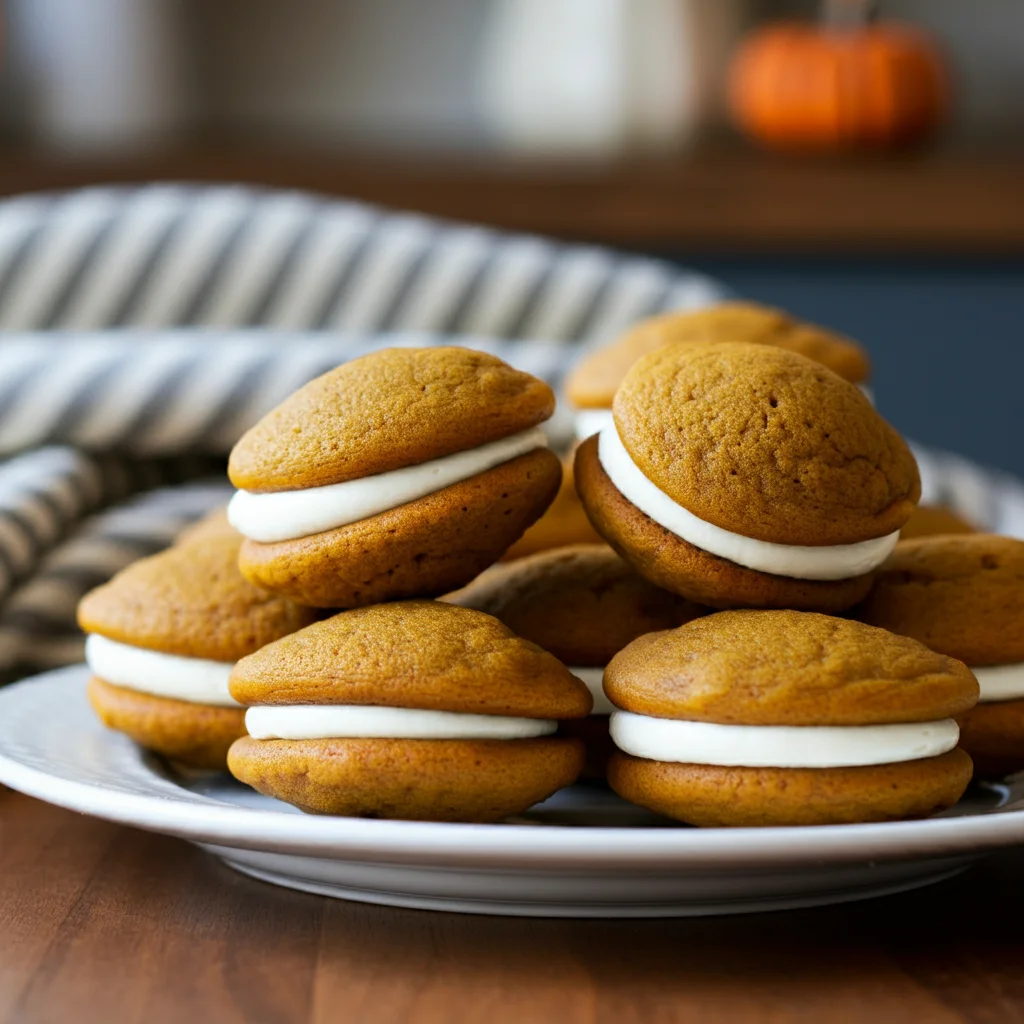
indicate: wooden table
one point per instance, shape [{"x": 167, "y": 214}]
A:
[{"x": 104, "y": 923}]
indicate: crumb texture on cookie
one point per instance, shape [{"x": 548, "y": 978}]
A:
[
  {"x": 594, "y": 380},
  {"x": 765, "y": 443},
  {"x": 960, "y": 594},
  {"x": 787, "y": 668},
  {"x": 191, "y": 600},
  {"x": 393, "y": 408},
  {"x": 412, "y": 654},
  {"x": 582, "y": 603}
]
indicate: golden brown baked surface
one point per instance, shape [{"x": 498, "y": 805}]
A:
[
  {"x": 993, "y": 734},
  {"x": 669, "y": 561},
  {"x": 425, "y": 780},
  {"x": 197, "y": 735},
  {"x": 581, "y": 603},
  {"x": 765, "y": 443},
  {"x": 962, "y": 595},
  {"x": 395, "y": 407},
  {"x": 716, "y": 797},
  {"x": 786, "y": 668},
  {"x": 412, "y": 654},
  {"x": 928, "y": 520},
  {"x": 423, "y": 549},
  {"x": 594, "y": 380},
  {"x": 564, "y": 523},
  {"x": 191, "y": 600}
]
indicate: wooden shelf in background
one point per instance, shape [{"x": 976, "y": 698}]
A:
[{"x": 728, "y": 199}]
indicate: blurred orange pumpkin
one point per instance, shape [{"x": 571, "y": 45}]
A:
[{"x": 805, "y": 86}]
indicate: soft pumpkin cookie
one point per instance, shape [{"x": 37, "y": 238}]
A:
[
  {"x": 164, "y": 634},
  {"x": 583, "y": 604},
  {"x": 963, "y": 595},
  {"x": 404, "y": 473},
  {"x": 744, "y": 475},
  {"x": 928, "y": 520},
  {"x": 786, "y": 718},
  {"x": 592, "y": 384},
  {"x": 414, "y": 709}
]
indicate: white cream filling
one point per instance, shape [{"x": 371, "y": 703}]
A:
[
  {"x": 593, "y": 678},
  {"x": 780, "y": 746},
  {"x": 832, "y": 562},
  {"x": 352, "y": 721},
  {"x": 287, "y": 515},
  {"x": 1000, "y": 682},
  {"x": 591, "y": 421},
  {"x": 196, "y": 680}
]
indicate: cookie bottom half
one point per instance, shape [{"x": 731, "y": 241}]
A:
[
  {"x": 993, "y": 734},
  {"x": 597, "y": 738},
  {"x": 420, "y": 780},
  {"x": 713, "y": 796},
  {"x": 425, "y": 548},
  {"x": 197, "y": 735},
  {"x": 673, "y": 563}
]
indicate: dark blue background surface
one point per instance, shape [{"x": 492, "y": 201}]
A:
[{"x": 946, "y": 338}]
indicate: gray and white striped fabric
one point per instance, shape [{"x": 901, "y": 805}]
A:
[{"x": 142, "y": 330}]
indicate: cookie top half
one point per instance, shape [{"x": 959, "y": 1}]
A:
[
  {"x": 413, "y": 654},
  {"x": 960, "y": 594},
  {"x": 594, "y": 380},
  {"x": 191, "y": 600},
  {"x": 392, "y": 408},
  {"x": 765, "y": 443},
  {"x": 582, "y": 603},
  {"x": 787, "y": 668}
]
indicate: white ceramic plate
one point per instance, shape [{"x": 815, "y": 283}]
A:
[{"x": 583, "y": 853}]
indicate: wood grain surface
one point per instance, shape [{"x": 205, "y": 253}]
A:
[
  {"x": 716, "y": 198},
  {"x": 103, "y": 923}
]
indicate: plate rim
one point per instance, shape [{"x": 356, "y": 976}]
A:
[{"x": 205, "y": 820}]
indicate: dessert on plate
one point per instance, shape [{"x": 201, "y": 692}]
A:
[{"x": 747, "y": 718}]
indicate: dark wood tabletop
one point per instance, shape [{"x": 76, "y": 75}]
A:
[{"x": 103, "y": 923}]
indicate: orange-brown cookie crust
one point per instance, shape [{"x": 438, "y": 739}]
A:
[
  {"x": 420, "y": 780},
  {"x": 594, "y": 380},
  {"x": 425, "y": 548},
  {"x": 392, "y": 408},
  {"x": 670, "y": 562},
  {"x": 765, "y": 443},
  {"x": 928, "y": 520},
  {"x": 413, "y": 654},
  {"x": 196, "y": 735},
  {"x": 581, "y": 603},
  {"x": 961, "y": 595},
  {"x": 787, "y": 668},
  {"x": 596, "y": 736},
  {"x": 191, "y": 600},
  {"x": 564, "y": 523},
  {"x": 716, "y": 797},
  {"x": 993, "y": 734}
]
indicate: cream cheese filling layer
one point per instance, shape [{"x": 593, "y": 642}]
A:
[
  {"x": 1000, "y": 682},
  {"x": 832, "y": 562},
  {"x": 196, "y": 680},
  {"x": 288, "y": 515},
  {"x": 352, "y": 721},
  {"x": 593, "y": 678},
  {"x": 591, "y": 421},
  {"x": 780, "y": 746}
]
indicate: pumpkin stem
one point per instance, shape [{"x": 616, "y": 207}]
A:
[{"x": 845, "y": 15}]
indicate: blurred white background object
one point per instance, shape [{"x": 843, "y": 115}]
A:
[{"x": 101, "y": 74}]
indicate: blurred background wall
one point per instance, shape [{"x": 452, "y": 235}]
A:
[{"x": 599, "y": 120}]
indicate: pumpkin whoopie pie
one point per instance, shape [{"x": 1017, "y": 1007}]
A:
[
  {"x": 744, "y": 475},
  {"x": 583, "y": 604},
  {"x": 592, "y": 383},
  {"x": 963, "y": 595},
  {"x": 414, "y": 709},
  {"x": 164, "y": 634},
  {"x": 786, "y": 718},
  {"x": 400, "y": 474},
  {"x": 564, "y": 523},
  {"x": 929, "y": 520},
  {"x": 212, "y": 524}
]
